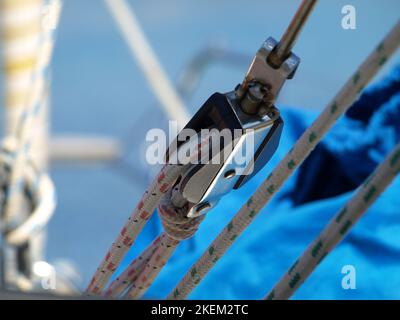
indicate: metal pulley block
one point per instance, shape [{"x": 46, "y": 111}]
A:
[{"x": 250, "y": 127}]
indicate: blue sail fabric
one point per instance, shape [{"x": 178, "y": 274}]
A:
[{"x": 299, "y": 211}]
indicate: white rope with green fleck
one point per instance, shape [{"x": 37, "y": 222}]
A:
[
  {"x": 306, "y": 143},
  {"x": 338, "y": 227}
]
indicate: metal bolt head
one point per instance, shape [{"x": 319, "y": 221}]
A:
[{"x": 230, "y": 174}]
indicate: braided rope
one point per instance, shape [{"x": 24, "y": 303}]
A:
[
  {"x": 157, "y": 261},
  {"x": 172, "y": 209},
  {"x": 289, "y": 163},
  {"x": 131, "y": 273},
  {"x": 175, "y": 221},
  {"x": 145, "y": 208},
  {"x": 141, "y": 273},
  {"x": 338, "y": 227},
  {"x": 139, "y": 217},
  {"x": 177, "y": 227}
]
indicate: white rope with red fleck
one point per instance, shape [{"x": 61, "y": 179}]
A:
[
  {"x": 145, "y": 208},
  {"x": 153, "y": 267},
  {"x": 172, "y": 209},
  {"x": 176, "y": 227},
  {"x": 130, "y": 274},
  {"x": 338, "y": 227},
  {"x": 306, "y": 143}
]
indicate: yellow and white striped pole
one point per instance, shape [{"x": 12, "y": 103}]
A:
[
  {"x": 26, "y": 33},
  {"x": 20, "y": 33}
]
